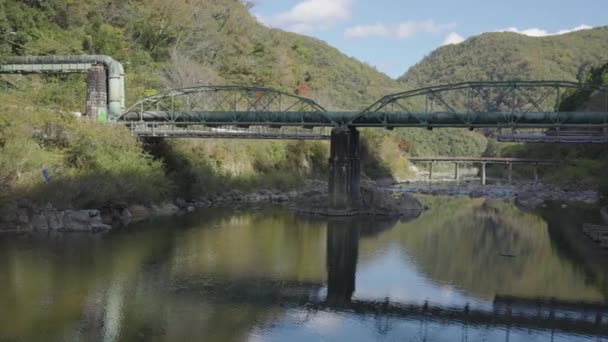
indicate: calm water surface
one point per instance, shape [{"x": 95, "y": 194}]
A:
[{"x": 465, "y": 270}]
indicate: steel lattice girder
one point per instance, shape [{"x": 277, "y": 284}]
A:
[{"x": 221, "y": 104}]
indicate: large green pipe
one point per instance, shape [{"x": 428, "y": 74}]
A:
[
  {"x": 41, "y": 64},
  {"x": 387, "y": 120}
]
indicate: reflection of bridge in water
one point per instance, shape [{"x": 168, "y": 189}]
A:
[{"x": 507, "y": 313}]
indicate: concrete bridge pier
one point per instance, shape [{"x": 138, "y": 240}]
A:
[
  {"x": 483, "y": 174},
  {"x": 431, "y": 171},
  {"x": 457, "y": 173},
  {"x": 97, "y": 93},
  {"x": 345, "y": 169}
]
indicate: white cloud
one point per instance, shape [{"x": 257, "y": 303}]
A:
[
  {"x": 453, "y": 38},
  {"x": 364, "y": 31},
  {"x": 402, "y": 30},
  {"x": 537, "y": 32},
  {"x": 311, "y": 15},
  {"x": 578, "y": 28}
]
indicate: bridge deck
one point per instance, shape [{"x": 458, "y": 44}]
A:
[
  {"x": 579, "y": 120},
  {"x": 163, "y": 130}
]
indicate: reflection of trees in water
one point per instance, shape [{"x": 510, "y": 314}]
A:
[
  {"x": 488, "y": 247},
  {"x": 50, "y": 284},
  {"x": 262, "y": 245},
  {"x": 564, "y": 225}
]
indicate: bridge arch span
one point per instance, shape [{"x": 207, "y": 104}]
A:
[{"x": 234, "y": 105}]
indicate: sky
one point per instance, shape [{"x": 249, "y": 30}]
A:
[{"x": 393, "y": 35}]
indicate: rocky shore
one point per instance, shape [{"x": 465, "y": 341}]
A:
[
  {"x": 31, "y": 217},
  {"x": 311, "y": 199},
  {"x": 528, "y": 195},
  {"x": 375, "y": 201}
]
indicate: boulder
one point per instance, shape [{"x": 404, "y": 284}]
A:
[
  {"x": 165, "y": 209},
  {"x": 40, "y": 222},
  {"x": 125, "y": 217},
  {"x": 83, "y": 221},
  {"x": 139, "y": 213},
  {"x": 23, "y": 216},
  {"x": 180, "y": 202},
  {"x": 54, "y": 219}
]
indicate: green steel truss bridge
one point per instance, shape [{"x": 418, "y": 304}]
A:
[
  {"x": 232, "y": 111},
  {"x": 263, "y": 113}
]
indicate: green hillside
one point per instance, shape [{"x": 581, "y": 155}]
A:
[
  {"x": 577, "y": 56},
  {"x": 177, "y": 43},
  {"x": 592, "y": 160},
  {"x": 511, "y": 56},
  {"x": 162, "y": 44}
]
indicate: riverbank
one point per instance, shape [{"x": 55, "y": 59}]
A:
[
  {"x": 312, "y": 199},
  {"x": 23, "y": 217},
  {"x": 525, "y": 194}
]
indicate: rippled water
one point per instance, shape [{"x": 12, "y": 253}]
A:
[{"x": 465, "y": 270}]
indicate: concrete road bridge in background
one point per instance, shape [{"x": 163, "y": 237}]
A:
[{"x": 483, "y": 161}]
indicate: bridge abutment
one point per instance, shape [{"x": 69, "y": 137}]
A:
[{"x": 345, "y": 169}]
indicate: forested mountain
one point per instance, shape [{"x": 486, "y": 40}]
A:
[
  {"x": 190, "y": 42},
  {"x": 506, "y": 56},
  {"x": 178, "y": 43},
  {"x": 162, "y": 44}
]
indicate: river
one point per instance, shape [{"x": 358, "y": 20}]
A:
[{"x": 464, "y": 270}]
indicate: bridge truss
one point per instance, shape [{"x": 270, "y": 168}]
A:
[
  {"x": 232, "y": 105},
  {"x": 532, "y": 104}
]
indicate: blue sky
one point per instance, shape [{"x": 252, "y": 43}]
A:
[{"x": 393, "y": 35}]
